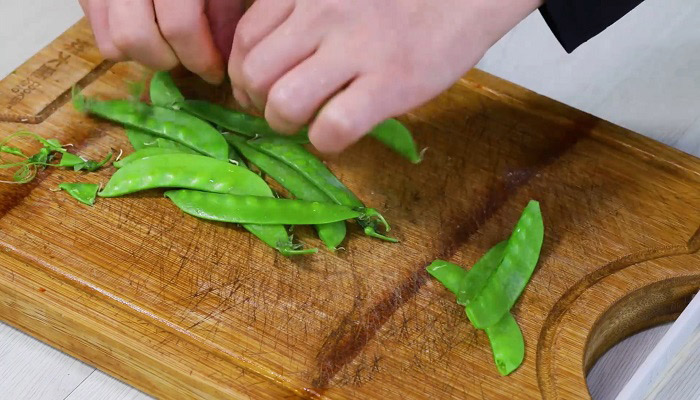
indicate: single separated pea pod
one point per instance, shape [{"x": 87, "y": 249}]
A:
[
  {"x": 242, "y": 209},
  {"x": 236, "y": 121},
  {"x": 188, "y": 171},
  {"x": 509, "y": 280},
  {"x": 170, "y": 124},
  {"x": 297, "y": 157},
  {"x": 394, "y": 135},
  {"x": 331, "y": 234}
]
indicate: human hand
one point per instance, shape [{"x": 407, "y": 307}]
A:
[
  {"x": 359, "y": 61},
  {"x": 164, "y": 33}
]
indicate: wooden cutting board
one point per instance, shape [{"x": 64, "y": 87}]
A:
[{"x": 183, "y": 308}]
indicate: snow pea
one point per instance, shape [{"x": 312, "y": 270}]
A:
[
  {"x": 450, "y": 275},
  {"x": 479, "y": 274},
  {"x": 331, "y": 234},
  {"x": 200, "y": 173},
  {"x": 163, "y": 91},
  {"x": 236, "y": 121},
  {"x": 301, "y": 160},
  {"x": 188, "y": 171},
  {"x": 242, "y": 209},
  {"x": 395, "y": 136},
  {"x": 163, "y": 122},
  {"x": 83, "y": 192},
  {"x": 507, "y": 342},
  {"x": 139, "y": 139},
  {"x": 508, "y": 281}
]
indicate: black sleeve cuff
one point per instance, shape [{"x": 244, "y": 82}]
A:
[{"x": 573, "y": 22}]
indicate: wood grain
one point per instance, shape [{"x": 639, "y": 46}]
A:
[{"x": 184, "y": 308}]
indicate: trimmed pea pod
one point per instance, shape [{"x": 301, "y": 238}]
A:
[
  {"x": 242, "y": 209},
  {"x": 163, "y": 91},
  {"x": 507, "y": 342},
  {"x": 479, "y": 274},
  {"x": 395, "y": 136},
  {"x": 508, "y": 281},
  {"x": 163, "y": 122},
  {"x": 236, "y": 121},
  {"x": 83, "y": 192},
  {"x": 297, "y": 157},
  {"x": 450, "y": 275},
  {"x": 205, "y": 174},
  {"x": 331, "y": 234}
]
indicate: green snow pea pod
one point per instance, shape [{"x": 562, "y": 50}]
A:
[
  {"x": 300, "y": 187},
  {"x": 508, "y": 281},
  {"x": 143, "y": 153},
  {"x": 163, "y": 91},
  {"x": 200, "y": 173},
  {"x": 83, "y": 192},
  {"x": 395, "y": 136},
  {"x": 236, "y": 121},
  {"x": 139, "y": 139},
  {"x": 164, "y": 122},
  {"x": 450, "y": 275},
  {"x": 242, "y": 209},
  {"x": 297, "y": 157},
  {"x": 179, "y": 170},
  {"x": 507, "y": 344},
  {"x": 479, "y": 274}
]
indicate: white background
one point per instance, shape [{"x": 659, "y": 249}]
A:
[{"x": 643, "y": 73}]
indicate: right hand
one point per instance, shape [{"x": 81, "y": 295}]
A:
[{"x": 164, "y": 33}]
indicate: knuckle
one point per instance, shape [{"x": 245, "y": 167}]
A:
[
  {"x": 128, "y": 39},
  {"x": 245, "y": 36},
  {"x": 340, "y": 123},
  {"x": 254, "y": 81},
  {"x": 176, "y": 29},
  {"x": 282, "y": 101}
]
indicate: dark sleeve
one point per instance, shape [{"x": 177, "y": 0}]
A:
[{"x": 575, "y": 21}]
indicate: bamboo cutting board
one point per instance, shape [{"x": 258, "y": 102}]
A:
[{"x": 184, "y": 308}]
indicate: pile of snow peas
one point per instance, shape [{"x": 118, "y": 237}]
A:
[
  {"x": 203, "y": 152},
  {"x": 491, "y": 287}
]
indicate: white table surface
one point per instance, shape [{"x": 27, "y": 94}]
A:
[{"x": 643, "y": 73}]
